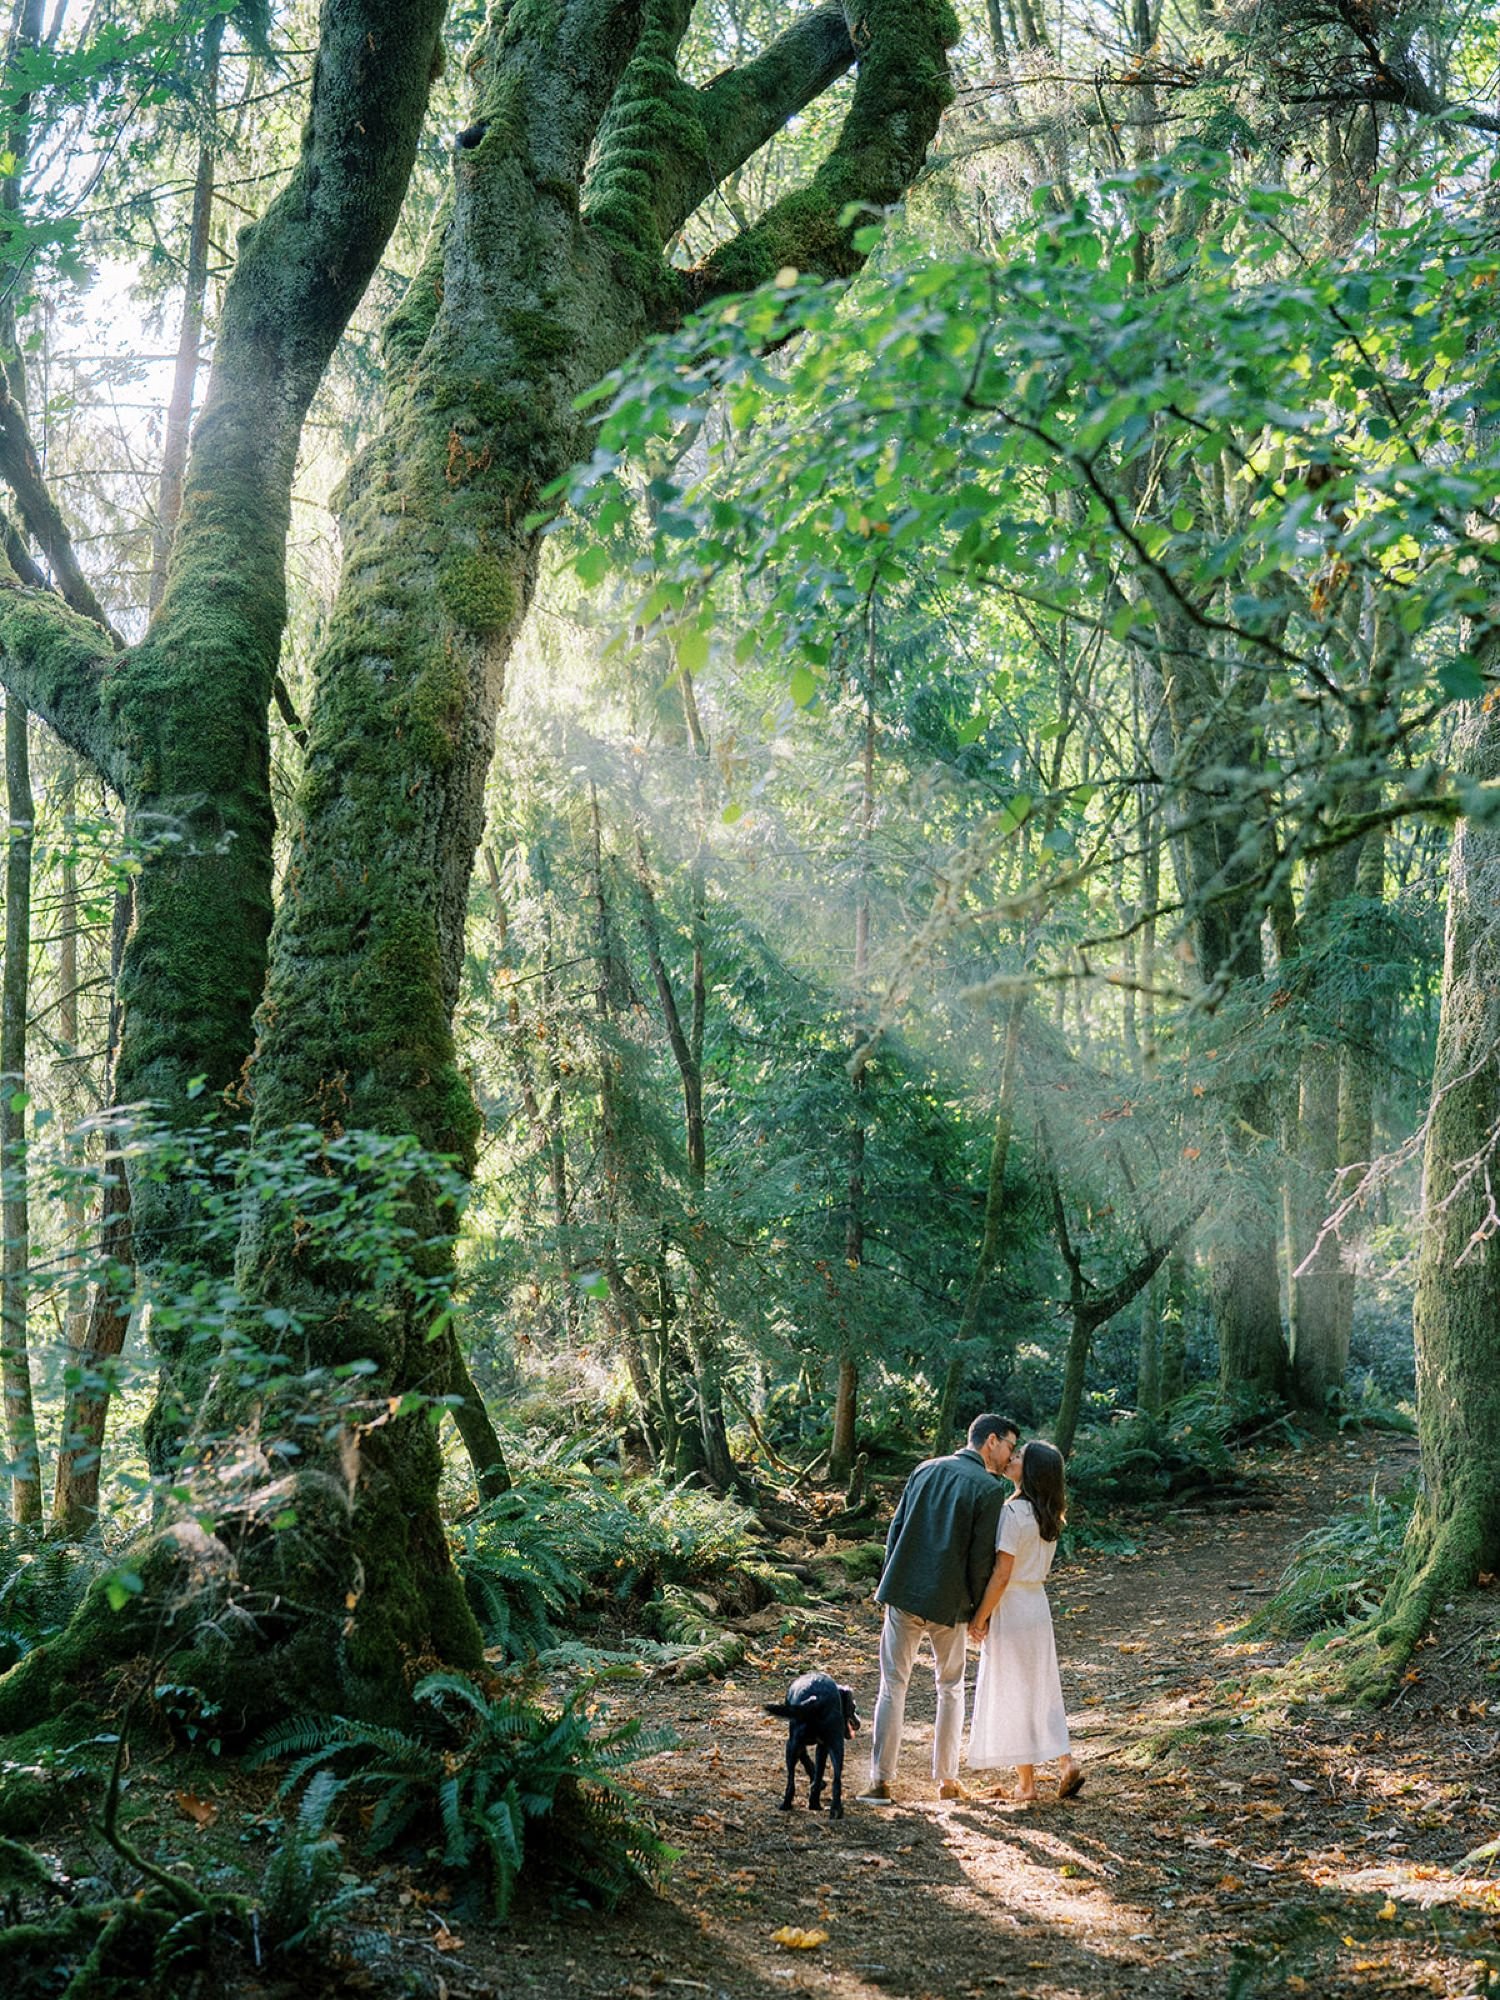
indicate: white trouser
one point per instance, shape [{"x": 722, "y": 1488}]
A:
[{"x": 900, "y": 1637}]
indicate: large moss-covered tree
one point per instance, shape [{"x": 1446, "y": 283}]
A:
[{"x": 587, "y": 153}]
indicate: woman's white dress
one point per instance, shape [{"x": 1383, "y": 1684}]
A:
[{"x": 1018, "y": 1703}]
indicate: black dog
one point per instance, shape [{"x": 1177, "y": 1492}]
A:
[{"x": 821, "y": 1713}]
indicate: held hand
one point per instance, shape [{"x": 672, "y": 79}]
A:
[{"x": 977, "y": 1629}]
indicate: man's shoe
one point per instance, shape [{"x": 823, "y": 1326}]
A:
[
  {"x": 877, "y": 1794},
  {"x": 950, "y": 1788}
]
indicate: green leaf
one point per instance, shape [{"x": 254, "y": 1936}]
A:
[
  {"x": 732, "y": 813},
  {"x": 803, "y": 685},
  {"x": 120, "y": 1586},
  {"x": 592, "y": 564},
  {"x": 1460, "y": 679},
  {"x": 692, "y": 648}
]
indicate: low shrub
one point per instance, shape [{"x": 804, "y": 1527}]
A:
[
  {"x": 41, "y": 1585},
  {"x": 1339, "y": 1572},
  {"x": 565, "y": 1537},
  {"x": 478, "y": 1778},
  {"x": 1183, "y": 1451}
]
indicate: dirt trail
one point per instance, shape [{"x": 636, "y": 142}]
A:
[{"x": 1280, "y": 1855}]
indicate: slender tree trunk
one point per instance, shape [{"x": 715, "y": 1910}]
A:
[
  {"x": 546, "y": 1125},
  {"x": 989, "y": 1242},
  {"x": 686, "y": 1043},
  {"x": 846, "y": 1398},
  {"x": 190, "y": 334},
  {"x": 1319, "y": 1334},
  {"x": 15, "y": 1266},
  {"x": 1357, "y": 1070},
  {"x": 1148, "y": 1391},
  {"x": 480, "y": 1438},
  {"x": 100, "y": 1337},
  {"x": 1174, "y": 1329}
]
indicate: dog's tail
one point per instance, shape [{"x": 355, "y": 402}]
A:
[{"x": 788, "y": 1711}]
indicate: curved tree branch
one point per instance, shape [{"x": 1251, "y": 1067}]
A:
[{"x": 902, "y": 90}]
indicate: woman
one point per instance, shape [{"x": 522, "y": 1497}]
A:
[{"x": 1018, "y": 1704}]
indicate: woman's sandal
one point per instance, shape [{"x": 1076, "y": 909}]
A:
[{"x": 1070, "y": 1786}]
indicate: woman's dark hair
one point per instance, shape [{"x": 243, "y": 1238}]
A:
[{"x": 1042, "y": 1483}]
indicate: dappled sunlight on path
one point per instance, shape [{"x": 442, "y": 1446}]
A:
[{"x": 1222, "y": 1844}]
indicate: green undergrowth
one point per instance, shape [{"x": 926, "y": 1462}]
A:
[
  {"x": 1339, "y": 1573},
  {"x": 567, "y": 1541},
  {"x": 489, "y": 1784},
  {"x": 41, "y": 1586},
  {"x": 1185, "y": 1450},
  {"x": 113, "y": 1890}
]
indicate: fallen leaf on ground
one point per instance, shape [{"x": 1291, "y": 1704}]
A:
[
  {"x": 202, "y": 1812},
  {"x": 798, "y": 1940}
]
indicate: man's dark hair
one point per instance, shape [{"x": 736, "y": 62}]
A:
[{"x": 991, "y": 1426}]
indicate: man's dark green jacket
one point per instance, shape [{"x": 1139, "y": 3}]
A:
[{"x": 940, "y": 1549}]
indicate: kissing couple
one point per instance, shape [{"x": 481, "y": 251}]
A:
[{"x": 965, "y": 1559}]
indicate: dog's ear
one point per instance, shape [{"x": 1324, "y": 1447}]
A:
[{"x": 851, "y": 1713}]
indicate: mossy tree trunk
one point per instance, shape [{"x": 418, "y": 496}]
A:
[
  {"x": 15, "y": 1206},
  {"x": 1455, "y": 1530},
  {"x": 548, "y": 268}
]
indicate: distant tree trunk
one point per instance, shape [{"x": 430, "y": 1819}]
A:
[
  {"x": 75, "y": 1201},
  {"x": 190, "y": 334},
  {"x": 99, "y": 1337},
  {"x": 1148, "y": 1389},
  {"x": 989, "y": 1242},
  {"x": 686, "y": 1043},
  {"x": 1174, "y": 1329},
  {"x": 681, "y": 1441},
  {"x": 1223, "y": 848},
  {"x": 1357, "y": 1068},
  {"x": 1319, "y": 1323},
  {"x": 846, "y": 1398},
  {"x": 546, "y": 1125},
  {"x": 15, "y": 1267},
  {"x": 480, "y": 1438},
  {"x": 1089, "y": 1310}
]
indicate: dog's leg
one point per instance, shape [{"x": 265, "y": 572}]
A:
[
  {"x": 815, "y": 1796},
  {"x": 836, "y": 1804},
  {"x": 791, "y": 1775}
]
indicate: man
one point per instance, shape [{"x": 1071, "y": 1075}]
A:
[{"x": 939, "y": 1554}]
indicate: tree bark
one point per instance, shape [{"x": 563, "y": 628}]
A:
[
  {"x": 1455, "y": 1530},
  {"x": 15, "y": 1207}
]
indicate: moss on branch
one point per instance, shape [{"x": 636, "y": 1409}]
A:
[
  {"x": 902, "y": 90},
  {"x": 58, "y": 664}
]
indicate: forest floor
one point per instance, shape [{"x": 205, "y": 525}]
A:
[
  {"x": 1223, "y": 1846},
  {"x": 1236, "y": 1839}
]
